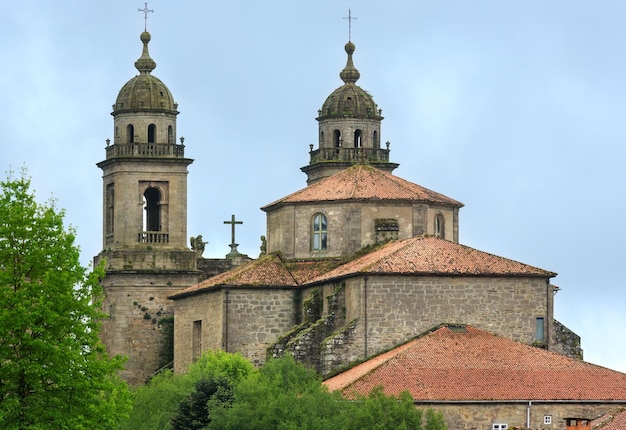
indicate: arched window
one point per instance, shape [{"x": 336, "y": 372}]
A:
[
  {"x": 375, "y": 140},
  {"x": 152, "y": 218},
  {"x": 130, "y": 133},
  {"x": 357, "y": 138},
  {"x": 151, "y": 133},
  {"x": 321, "y": 138},
  {"x": 439, "y": 226},
  {"x": 319, "y": 238},
  {"x": 337, "y": 138},
  {"x": 170, "y": 134}
]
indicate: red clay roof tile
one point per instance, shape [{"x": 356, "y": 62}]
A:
[
  {"x": 471, "y": 364},
  {"x": 267, "y": 271},
  {"x": 364, "y": 182},
  {"x": 432, "y": 256},
  {"x": 614, "y": 421}
]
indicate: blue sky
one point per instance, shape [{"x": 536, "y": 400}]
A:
[{"x": 514, "y": 108}]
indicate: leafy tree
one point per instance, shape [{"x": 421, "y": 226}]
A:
[
  {"x": 157, "y": 403},
  {"x": 283, "y": 395},
  {"x": 194, "y": 412},
  {"x": 54, "y": 372},
  {"x": 381, "y": 412}
]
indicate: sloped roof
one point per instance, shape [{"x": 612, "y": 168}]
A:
[
  {"x": 364, "y": 182},
  {"x": 414, "y": 256},
  {"x": 614, "y": 421},
  {"x": 462, "y": 363},
  {"x": 267, "y": 271},
  {"x": 432, "y": 256}
]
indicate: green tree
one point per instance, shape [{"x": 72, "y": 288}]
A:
[
  {"x": 54, "y": 372},
  {"x": 194, "y": 412},
  {"x": 284, "y": 395},
  {"x": 379, "y": 411},
  {"x": 157, "y": 403}
]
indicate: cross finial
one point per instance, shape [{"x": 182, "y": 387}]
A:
[
  {"x": 145, "y": 11},
  {"x": 350, "y": 18},
  {"x": 233, "y": 245}
]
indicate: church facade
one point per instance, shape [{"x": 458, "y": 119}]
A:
[{"x": 357, "y": 262}]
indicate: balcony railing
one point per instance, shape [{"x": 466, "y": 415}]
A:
[
  {"x": 153, "y": 237},
  {"x": 349, "y": 154},
  {"x": 164, "y": 150}
]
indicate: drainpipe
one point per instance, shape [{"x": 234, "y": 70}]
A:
[
  {"x": 528, "y": 414},
  {"x": 365, "y": 313},
  {"x": 549, "y": 315}
]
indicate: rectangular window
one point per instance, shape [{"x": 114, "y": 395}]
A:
[
  {"x": 547, "y": 419},
  {"x": 110, "y": 208},
  {"x": 539, "y": 330},
  {"x": 196, "y": 340}
]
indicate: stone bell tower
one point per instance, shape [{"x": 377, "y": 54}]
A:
[
  {"x": 349, "y": 129},
  {"x": 144, "y": 223}
]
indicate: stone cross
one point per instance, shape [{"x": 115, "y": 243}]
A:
[
  {"x": 350, "y": 18},
  {"x": 233, "y": 222},
  {"x": 145, "y": 11}
]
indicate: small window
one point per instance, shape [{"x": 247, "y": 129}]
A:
[
  {"x": 151, "y": 133},
  {"x": 499, "y": 427},
  {"x": 337, "y": 138},
  {"x": 110, "y": 208},
  {"x": 357, "y": 138},
  {"x": 439, "y": 226},
  {"x": 539, "y": 330},
  {"x": 547, "y": 419},
  {"x": 130, "y": 133},
  {"x": 196, "y": 340},
  {"x": 320, "y": 232}
]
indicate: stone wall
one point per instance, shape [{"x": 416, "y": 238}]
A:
[
  {"x": 244, "y": 320},
  {"x": 398, "y": 308},
  {"x": 482, "y": 415},
  {"x": 566, "y": 342},
  {"x": 206, "y": 310},
  {"x": 138, "y": 308},
  {"x": 351, "y": 225},
  {"x": 380, "y": 312}
]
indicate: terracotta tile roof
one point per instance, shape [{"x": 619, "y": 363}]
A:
[
  {"x": 614, "y": 421},
  {"x": 464, "y": 364},
  {"x": 364, "y": 182},
  {"x": 432, "y": 256},
  {"x": 268, "y": 270}
]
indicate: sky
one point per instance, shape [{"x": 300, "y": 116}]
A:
[{"x": 514, "y": 108}]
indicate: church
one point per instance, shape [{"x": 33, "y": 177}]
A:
[{"x": 355, "y": 264}]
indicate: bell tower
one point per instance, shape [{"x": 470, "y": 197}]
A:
[
  {"x": 144, "y": 223},
  {"x": 349, "y": 129}
]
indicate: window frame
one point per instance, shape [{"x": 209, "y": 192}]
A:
[{"x": 319, "y": 232}]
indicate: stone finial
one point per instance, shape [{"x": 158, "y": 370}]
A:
[
  {"x": 145, "y": 64},
  {"x": 349, "y": 74}
]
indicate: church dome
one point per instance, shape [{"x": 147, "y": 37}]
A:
[
  {"x": 145, "y": 91},
  {"x": 349, "y": 100}
]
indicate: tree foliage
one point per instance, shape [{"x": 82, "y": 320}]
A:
[
  {"x": 194, "y": 412},
  {"x": 157, "y": 403},
  {"x": 285, "y": 395},
  {"x": 54, "y": 372}
]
